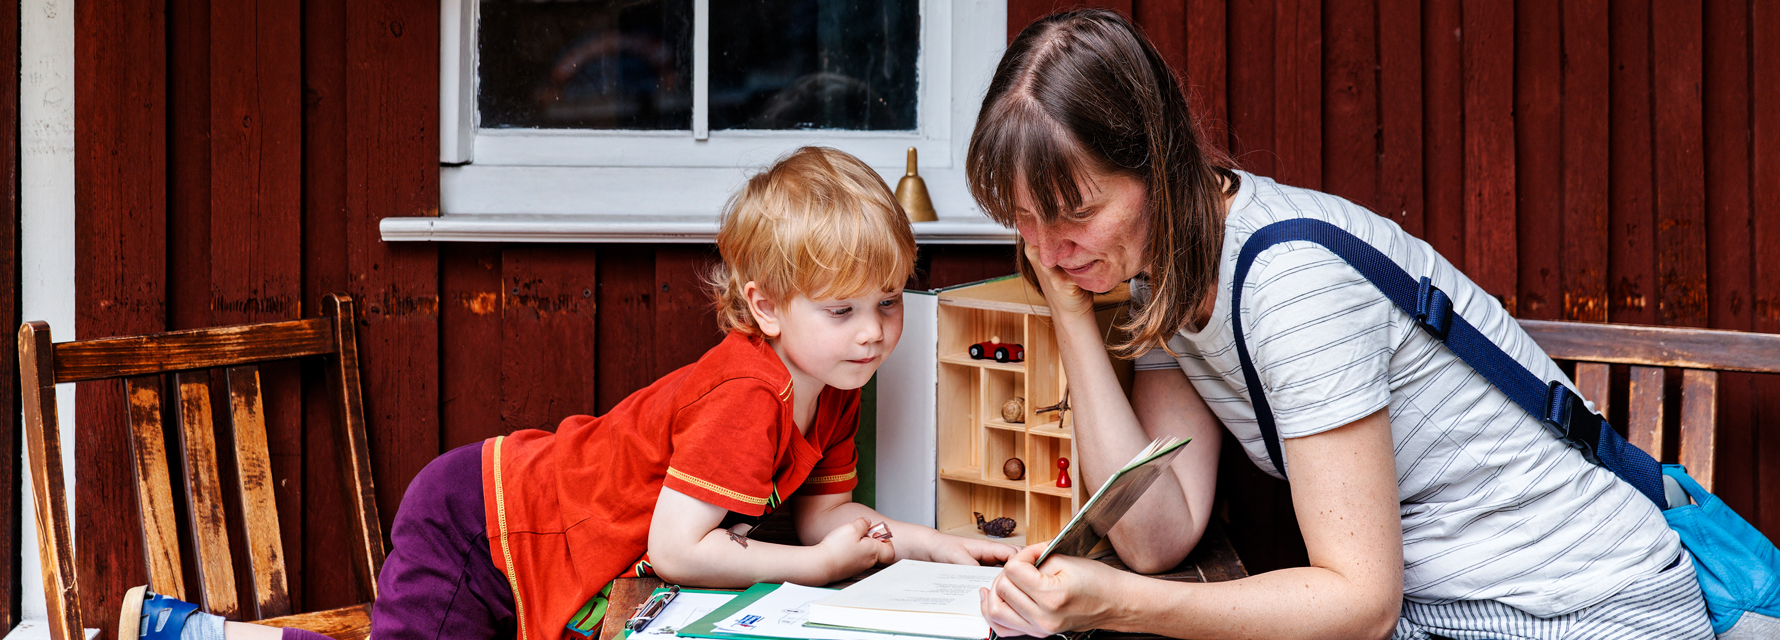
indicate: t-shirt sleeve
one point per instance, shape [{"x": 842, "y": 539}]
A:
[
  {"x": 1155, "y": 359},
  {"x": 838, "y": 471},
  {"x": 1321, "y": 337},
  {"x": 725, "y": 447}
]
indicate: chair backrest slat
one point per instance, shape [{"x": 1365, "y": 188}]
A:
[
  {"x": 203, "y": 490},
  {"x": 1594, "y": 380},
  {"x": 352, "y": 450},
  {"x": 1657, "y": 346},
  {"x": 154, "y": 488},
  {"x": 1644, "y": 410},
  {"x": 43, "y": 439},
  {"x": 192, "y": 349},
  {"x": 1699, "y": 418},
  {"x": 259, "y": 511}
]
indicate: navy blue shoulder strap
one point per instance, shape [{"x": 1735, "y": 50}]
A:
[{"x": 1556, "y": 407}]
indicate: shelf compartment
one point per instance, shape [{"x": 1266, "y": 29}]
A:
[
  {"x": 976, "y": 476},
  {"x": 1049, "y": 514},
  {"x": 1041, "y": 470},
  {"x": 960, "y": 499},
  {"x": 959, "y": 440},
  {"x": 1008, "y": 426},
  {"x": 1050, "y": 430},
  {"x": 964, "y": 358},
  {"x": 969, "y": 326},
  {"x": 998, "y": 446}
]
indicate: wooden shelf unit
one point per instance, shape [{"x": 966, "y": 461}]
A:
[{"x": 974, "y": 441}]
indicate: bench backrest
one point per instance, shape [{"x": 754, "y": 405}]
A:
[
  {"x": 1699, "y": 353},
  {"x": 188, "y": 359}
]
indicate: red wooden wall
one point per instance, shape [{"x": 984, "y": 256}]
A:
[
  {"x": 234, "y": 159},
  {"x": 1582, "y": 159},
  {"x": 10, "y": 436}
]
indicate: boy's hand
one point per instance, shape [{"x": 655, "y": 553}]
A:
[
  {"x": 969, "y": 551},
  {"x": 851, "y": 550}
]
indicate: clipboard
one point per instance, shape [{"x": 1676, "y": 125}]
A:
[{"x": 683, "y": 591}]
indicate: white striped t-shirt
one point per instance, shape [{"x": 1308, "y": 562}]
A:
[{"x": 1494, "y": 507}]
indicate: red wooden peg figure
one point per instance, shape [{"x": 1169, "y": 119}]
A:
[{"x": 1063, "y": 472}]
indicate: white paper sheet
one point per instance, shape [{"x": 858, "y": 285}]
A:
[
  {"x": 686, "y": 608},
  {"x": 781, "y": 614}
]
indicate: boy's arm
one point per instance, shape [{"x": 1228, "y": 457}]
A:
[
  {"x": 687, "y": 547},
  {"x": 817, "y": 516}
]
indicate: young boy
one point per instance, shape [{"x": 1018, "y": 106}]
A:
[{"x": 520, "y": 536}]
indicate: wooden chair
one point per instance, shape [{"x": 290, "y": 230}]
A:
[
  {"x": 139, "y": 363},
  {"x": 1699, "y": 353}
]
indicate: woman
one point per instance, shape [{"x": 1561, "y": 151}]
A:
[{"x": 1431, "y": 506}]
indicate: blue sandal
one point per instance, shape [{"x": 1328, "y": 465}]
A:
[{"x": 152, "y": 616}]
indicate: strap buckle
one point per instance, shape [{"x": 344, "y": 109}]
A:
[
  {"x": 1566, "y": 418},
  {"x": 1433, "y": 310}
]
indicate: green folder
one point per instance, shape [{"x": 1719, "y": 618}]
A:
[{"x": 706, "y": 627}]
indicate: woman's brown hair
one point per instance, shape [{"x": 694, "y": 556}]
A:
[{"x": 1083, "y": 91}]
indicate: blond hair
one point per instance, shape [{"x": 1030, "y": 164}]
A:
[{"x": 819, "y": 223}]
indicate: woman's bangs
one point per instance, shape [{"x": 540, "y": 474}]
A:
[{"x": 1021, "y": 148}]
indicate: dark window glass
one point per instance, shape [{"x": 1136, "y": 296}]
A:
[
  {"x": 814, "y": 64},
  {"x": 586, "y": 64}
]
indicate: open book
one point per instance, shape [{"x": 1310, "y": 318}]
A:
[
  {"x": 1090, "y": 524},
  {"x": 911, "y": 597},
  {"x": 924, "y": 598}
]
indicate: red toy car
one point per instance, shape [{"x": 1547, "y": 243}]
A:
[{"x": 1000, "y": 351}]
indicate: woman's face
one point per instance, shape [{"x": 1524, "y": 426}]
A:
[{"x": 1099, "y": 245}]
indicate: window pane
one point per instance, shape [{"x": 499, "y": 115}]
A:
[
  {"x": 814, "y": 64},
  {"x": 585, "y": 64}
]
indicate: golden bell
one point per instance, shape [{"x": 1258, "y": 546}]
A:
[{"x": 911, "y": 193}]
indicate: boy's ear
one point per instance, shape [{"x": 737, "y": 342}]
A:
[{"x": 764, "y": 310}]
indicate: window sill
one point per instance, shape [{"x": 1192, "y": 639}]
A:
[{"x": 609, "y": 228}]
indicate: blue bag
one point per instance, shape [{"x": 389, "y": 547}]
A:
[
  {"x": 1735, "y": 563},
  {"x": 1738, "y": 568}
]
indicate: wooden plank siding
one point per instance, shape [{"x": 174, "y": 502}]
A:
[
  {"x": 10, "y": 437},
  {"x": 234, "y": 159},
  {"x": 1582, "y": 160}
]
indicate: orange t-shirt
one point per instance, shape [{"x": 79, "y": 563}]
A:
[{"x": 569, "y": 511}]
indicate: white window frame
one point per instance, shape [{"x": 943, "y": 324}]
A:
[{"x": 543, "y": 185}]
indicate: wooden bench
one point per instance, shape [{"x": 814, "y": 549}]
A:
[
  {"x": 141, "y": 364},
  {"x": 1700, "y": 354}
]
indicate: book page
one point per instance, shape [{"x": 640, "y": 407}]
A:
[
  {"x": 912, "y": 585},
  {"x": 1103, "y": 510}
]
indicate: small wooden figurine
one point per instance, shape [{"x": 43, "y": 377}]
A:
[
  {"x": 1014, "y": 410},
  {"x": 1063, "y": 472},
  {"x": 1000, "y": 527},
  {"x": 1014, "y": 468}
]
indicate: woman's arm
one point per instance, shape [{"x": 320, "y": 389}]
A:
[
  {"x": 1344, "y": 490},
  {"x": 816, "y": 516},
  {"x": 687, "y": 547},
  {"x": 1159, "y": 531}
]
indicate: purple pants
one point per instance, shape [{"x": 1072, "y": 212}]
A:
[{"x": 439, "y": 580}]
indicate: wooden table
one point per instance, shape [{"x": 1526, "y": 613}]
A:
[{"x": 1214, "y": 560}]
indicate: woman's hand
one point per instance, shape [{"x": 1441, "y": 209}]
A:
[
  {"x": 968, "y": 551},
  {"x": 1061, "y": 293},
  {"x": 1068, "y": 594},
  {"x": 850, "y": 550}
]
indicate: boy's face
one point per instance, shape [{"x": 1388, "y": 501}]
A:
[{"x": 838, "y": 342}]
